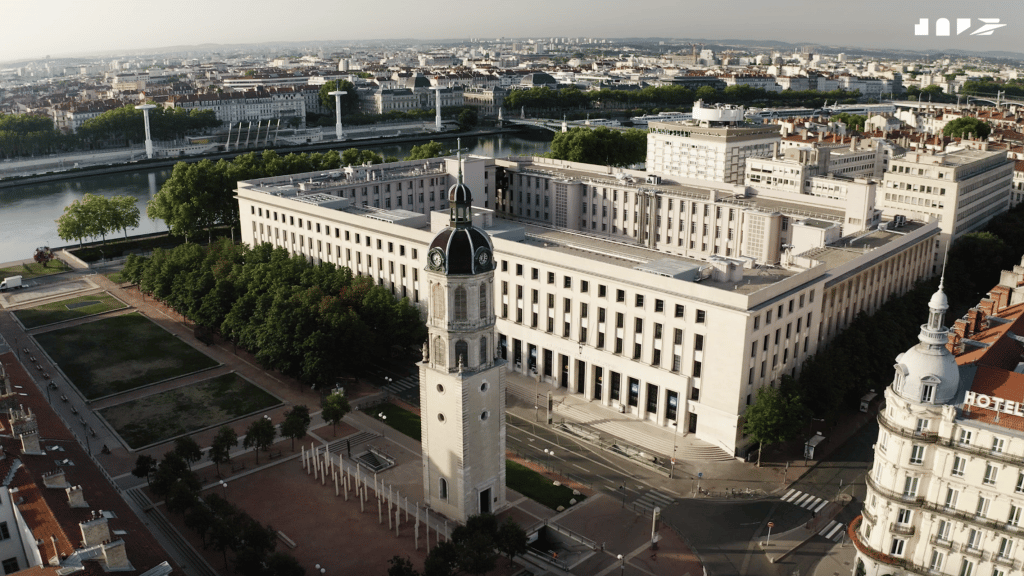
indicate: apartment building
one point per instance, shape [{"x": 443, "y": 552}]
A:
[
  {"x": 946, "y": 492},
  {"x": 251, "y": 106},
  {"x": 674, "y": 340}
]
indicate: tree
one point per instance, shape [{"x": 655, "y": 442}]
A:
[
  {"x": 296, "y": 423},
  {"x": 188, "y": 449},
  {"x": 961, "y": 127},
  {"x": 442, "y": 560},
  {"x": 601, "y": 146},
  {"x": 349, "y": 102},
  {"x": 335, "y": 408},
  {"x": 73, "y": 223},
  {"x": 125, "y": 210},
  {"x": 772, "y": 418},
  {"x": 401, "y": 566},
  {"x": 854, "y": 122},
  {"x": 284, "y": 564},
  {"x": 100, "y": 214},
  {"x": 223, "y": 442},
  {"x": 200, "y": 519},
  {"x": 511, "y": 539},
  {"x": 468, "y": 119},
  {"x": 426, "y": 151},
  {"x": 145, "y": 465},
  {"x": 259, "y": 435},
  {"x": 357, "y": 157},
  {"x": 43, "y": 255}
]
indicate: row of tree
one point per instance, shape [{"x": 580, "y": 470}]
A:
[
  {"x": 95, "y": 215},
  {"x": 312, "y": 322},
  {"x": 200, "y": 196},
  {"x": 572, "y": 98},
  {"x": 473, "y": 549},
  {"x": 33, "y": 135},
  {"x": 216, "y": 521},
  {"x": 602, "y": 146},
  {"x": 860, "y": 358}
]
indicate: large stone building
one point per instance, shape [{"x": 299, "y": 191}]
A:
[
  {"x": 670, "y": 303},
  {"x": 946, "y": 491}
]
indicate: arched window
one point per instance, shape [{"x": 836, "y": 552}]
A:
[
  {"x": 462, "y": 352},
  {"x": 437, "y": 301},
  {"x": 483, "y": 301},
  {"x": 442, "y": 488},
  {"x": 439, "y": 353},
  {"x": 483, "y": 351},
  {"x": 460, "y": 304}
]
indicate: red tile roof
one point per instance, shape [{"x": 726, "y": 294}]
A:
[{"x": 46, "y": 510}]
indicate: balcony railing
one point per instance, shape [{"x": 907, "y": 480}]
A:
[
  {"x": 947, "y": 544},
  {"x": 975, "y": 552},
  {"x": 942, "y": 510},
  {"x": 905, "y": 432},
  {"x": 905, "y": 529},
  {"x": 983, "y": 452},
  {"x": 854, "y": 533},
  {"x": 1006, "y": 561}
]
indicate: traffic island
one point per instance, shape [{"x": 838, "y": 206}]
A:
[{"x": 779, "y": 547}]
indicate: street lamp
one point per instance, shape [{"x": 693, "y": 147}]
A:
[
  {"x": 622, "y": 564},
  {"x": 623, "y": 490},
  {"x": 551, "y": 455},
  {"x": 320, "y": 569},
  {"x": 384, "y": 419},
  {"x": 224, "y": 485}
]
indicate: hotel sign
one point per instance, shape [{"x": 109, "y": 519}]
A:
[{"x": 994, "y": 403}]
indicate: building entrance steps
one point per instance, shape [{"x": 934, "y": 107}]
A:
[{"x": 610, "y": 424}]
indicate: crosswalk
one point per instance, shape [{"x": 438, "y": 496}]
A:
[
  {"x": 833, "y": 532},
  {"x": 399, "y": 386},
  {"x": 804, "y": 500},
  {"x": 654, "y": 498}
]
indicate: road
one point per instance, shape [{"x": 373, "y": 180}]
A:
[{"x": 728, "y": 531}]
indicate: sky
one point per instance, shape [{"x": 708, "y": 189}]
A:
[{"x": 31, "y": 30}]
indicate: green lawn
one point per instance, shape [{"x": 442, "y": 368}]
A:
[
  {"x": 537, "y": 487},
  {"x": 33, "y": 270},
  {"x": 59, "y": 311},
  {"x": 183, "y": 410},
  {"x": 121, "y": 353},
  {"x": 115, "y": 277},
  {"x": 398, "y": 418}
]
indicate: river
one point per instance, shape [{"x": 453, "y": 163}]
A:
[{"x": 28, "y": 213}]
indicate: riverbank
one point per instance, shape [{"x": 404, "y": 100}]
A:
[{"x": 137, "y": 165}]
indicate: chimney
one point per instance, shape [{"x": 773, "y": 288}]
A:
[
  {"x": 115, "y": 557},
  {"x": 95, "y": 531},
  {"x": 76, "y": 498},
  {"x": 987, "y": 306},
  {"x": 853, "y": 143},
  {"x": 30, "y": 443},
  {"x": 55, "y": 560},
  {"x": 55, "y": 479},
  {"x": 775, "y": 150}
]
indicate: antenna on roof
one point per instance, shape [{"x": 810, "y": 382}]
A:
[{"x": 945, "y": 260}]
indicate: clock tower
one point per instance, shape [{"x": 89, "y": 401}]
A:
[{"x": 462, "y": 382}]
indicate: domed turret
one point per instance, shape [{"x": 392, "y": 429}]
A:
[
  {"x": 461, "y": 248},
  {"x": 928, "y": 373}
]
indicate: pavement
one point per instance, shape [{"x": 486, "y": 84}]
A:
[{"x": 592, "y": 428}]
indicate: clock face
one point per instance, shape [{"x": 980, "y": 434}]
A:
[
  {"x": 483, "y": 258},
  {"x": 436, "y": 258}
]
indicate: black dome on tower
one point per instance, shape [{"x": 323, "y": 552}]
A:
[{"x": 460, "y": 248}]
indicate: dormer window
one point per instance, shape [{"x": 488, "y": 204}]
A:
[{"x": 927, "y": 393}]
